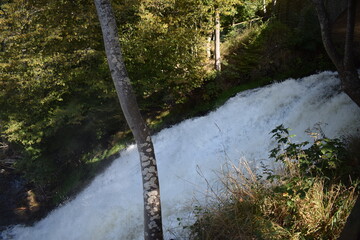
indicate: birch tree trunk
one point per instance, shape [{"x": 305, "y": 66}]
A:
[
  {"x": 217, "y": 41},
  {"x": 264, "y": 6},
  {"x": 208, "y": 47},
  {"x": 349, "y": 77},
  {"x": 129, "y": 106}
]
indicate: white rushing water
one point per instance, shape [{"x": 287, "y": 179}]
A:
[{"x": 111, "y": 207}]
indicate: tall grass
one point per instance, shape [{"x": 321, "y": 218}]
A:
[{"x": 255, "y": 210}]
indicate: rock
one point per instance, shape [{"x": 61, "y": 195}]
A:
[{"x": 19, "y": 203}]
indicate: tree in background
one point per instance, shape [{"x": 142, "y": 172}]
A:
[
  {"x": 217, "y": 40},
  {"x": 229, "y": 9},
  {"x": 151, "y": 188},
  {"x": 221, "y": 7}
]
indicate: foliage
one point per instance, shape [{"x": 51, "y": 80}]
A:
[
  {"x": 54, "y": 79},
  {"x": 306, "y": 199},
  {"x": 58, "y": 101},
  {"x": 325, "y": 158},
  {"x": 164, "y": 51},
  {"x": 286, "y": 44}
]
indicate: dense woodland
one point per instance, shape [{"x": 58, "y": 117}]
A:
[{"x": 59, "y": 113}]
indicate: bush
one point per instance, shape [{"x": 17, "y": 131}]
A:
[{"x": 309, "y": 198}]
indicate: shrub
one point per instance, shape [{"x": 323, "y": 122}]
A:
[{"x": 309, "y": 198}]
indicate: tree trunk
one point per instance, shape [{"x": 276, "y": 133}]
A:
[
  {"x": 351, "y": 230},
  {"x": 208, "y": 47},
  {"x": 349, "y": 38},
  {"x": 217, "y": 41},
  {"x": 351, "y": 84},
  {"x": 348, "y": 74},
  {"x": 326, "y": 33},
  {"x": 151, "y": 190},
  {"x": 350, "y": 78},
  {"x": 264, "y": 6}
]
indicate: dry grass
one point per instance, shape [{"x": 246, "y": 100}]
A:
[{"x": 250, "y": 208}]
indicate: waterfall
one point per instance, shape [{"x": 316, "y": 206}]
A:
[{"x": 189, "y": 154}]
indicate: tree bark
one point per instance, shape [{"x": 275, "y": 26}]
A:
[
  {"x": 264, "y": 6},
  {"x": 351, "y": 230},
  {"x": 151, "y": 189},
  {"x": 350, "y": 78},
  {"x": 217, "y": 41},
  {"x": 208, "y": 46},
  {"x": 349, "y": 38},
  {"x": 345, "y": 66},
  {"x": 325, "y": 27}
]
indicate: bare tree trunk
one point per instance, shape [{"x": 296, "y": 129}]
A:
[
  {"x": 151, "y": 190},
  {"x": 217, "y": 41},
  {"x": 208, "y": 47},
  {"x": 326, "y": 34},
  {"x": 350, "y": 78},
  {"x": 349, "y": 38},
  {"x": 264, "y": 6},
  {"x": 345, "y": 66}
]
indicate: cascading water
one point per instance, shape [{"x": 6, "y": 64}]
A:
[{"x": 111, "y": 207}]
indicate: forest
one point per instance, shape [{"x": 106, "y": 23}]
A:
[{"x": 60, "y": 120}]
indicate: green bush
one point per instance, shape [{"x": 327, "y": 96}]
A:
[
  {"x": 325, "y": 158},
  {"x": 308, "y": 197}
]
